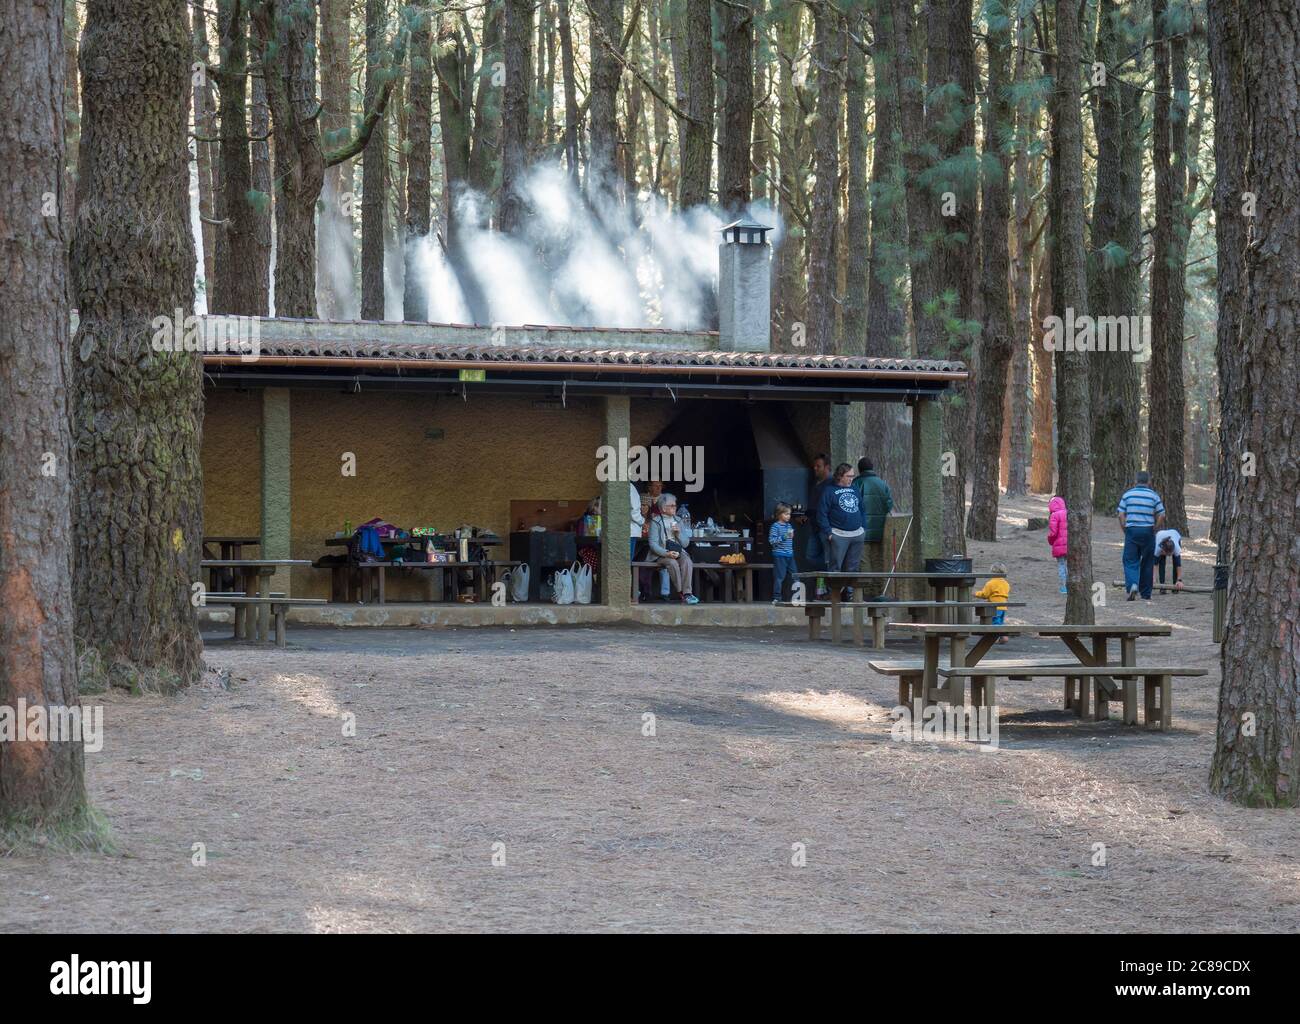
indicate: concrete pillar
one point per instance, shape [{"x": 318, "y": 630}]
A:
[
  {"x": 616, "y": 512},
  {"x": 927, "y": 481},
  {"x": 276, "y": 509}
]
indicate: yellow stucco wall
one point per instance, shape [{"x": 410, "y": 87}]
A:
[
  {"x": 494, "y": 449},
  {"x": 232, "y": 464}
]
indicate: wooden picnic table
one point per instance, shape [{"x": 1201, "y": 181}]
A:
[
  {"x": 227, "y": 548},
  {"x": 939, "y": 583},
  {"x": 1073, "y": 636},
  {"x": 255, "y": 578}
]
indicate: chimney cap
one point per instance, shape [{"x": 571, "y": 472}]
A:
[{"x": 746, "y": 232}]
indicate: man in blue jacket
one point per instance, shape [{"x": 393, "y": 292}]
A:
[{"x": 840, "y": 523}]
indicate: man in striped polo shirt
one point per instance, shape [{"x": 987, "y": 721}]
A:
[{"x": 1141, "y": 513}]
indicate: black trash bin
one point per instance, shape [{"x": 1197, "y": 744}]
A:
[{"x": 947, "y": 565}]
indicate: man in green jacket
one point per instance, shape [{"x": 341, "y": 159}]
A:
[{"x": 877, "y": 502}]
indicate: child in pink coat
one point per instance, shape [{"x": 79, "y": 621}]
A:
[{"x": 1058, "y": 536}]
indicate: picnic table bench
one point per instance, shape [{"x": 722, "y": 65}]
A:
[
  {"x": 878, "y": 611},
  {"x": 1090, "y": 662},
  {"x": 278, "y": 604},
  {"x": 737, "y": 579},
  {"x": 940, "y": 583},
  {"x": 1157, "y": 682},
  {"x": 255, "y": 579}
]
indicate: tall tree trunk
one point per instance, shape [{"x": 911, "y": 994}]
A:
[
  {"x": 696, "y": 131},
  {"x": 567, "y": 75},
  {"x": 137, "y": 411},
  {"x": 259, "y": 271},
  {"x": 996, "y": 338},
  {"x": 1165, "y": 378},
  {"x": 1114, "y": 266},
  {"x": 823, "y": 222},
  {"x": 1022, "y": 271},
  {"x": 514, "y": 111},
  {"x": 415, "y": 304},
  {"x": 205, "y": 129},
  {"x": 738, "y": 127},
  {"x": 374, "y": 174},
  {"x": 886, "y": 324},
  {"x": 72, "y": 113},
  {"x": 1257, "y": 748},
  {"x": 42, "y": 792},
  {"x": 1042, "y": 463},
  {"x": 788, "y": 298},
  {"x": 1226, "y": 36},
  {"x": 857, "y": 207},
  {"x": 336, "y": 250},
  {"x": 232, "y": 288},
  {"x": 288, "y": 55},
  {"x": 486, "y": 139},
  {"x": 1070, "y": 292},
  {"x": 760, "y": 84}
]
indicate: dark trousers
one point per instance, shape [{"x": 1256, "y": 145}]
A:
[
  {"x": 782, "y": 566},
  {"x": 1139, "y": 558},
  {"x": 1160, "y": 565}
]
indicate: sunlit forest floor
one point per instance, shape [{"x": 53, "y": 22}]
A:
[{"x": 534, "y": 739}]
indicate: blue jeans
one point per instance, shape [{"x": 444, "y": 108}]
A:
[
  {"x": 1139, "y": 558},
  {"x": 999, "y": 617},
  {"x": 632, "y": 552},
  {"x": 782, "y": 566}
]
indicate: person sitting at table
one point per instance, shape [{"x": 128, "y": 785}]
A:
[
  {"x": 669, "y": 537},
  {"x": 997, "y": 590},
  {"x": 840, "y": 524}
]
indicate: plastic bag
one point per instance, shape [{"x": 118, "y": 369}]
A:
[
  {"x": 519, "y": 579},
  {"x": 581, "y": 583},
  {"x": 562, "y": 587}
]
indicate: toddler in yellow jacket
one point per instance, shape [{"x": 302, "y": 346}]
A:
[{"x": 997, "y": 590}]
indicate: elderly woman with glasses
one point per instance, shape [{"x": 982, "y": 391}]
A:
[{"x": 669, "y": 538}]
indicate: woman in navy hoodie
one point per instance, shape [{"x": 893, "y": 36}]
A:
[{"x": 840, "y": 524}]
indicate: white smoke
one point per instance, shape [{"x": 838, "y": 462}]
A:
[{"x": 580, "y": 263}]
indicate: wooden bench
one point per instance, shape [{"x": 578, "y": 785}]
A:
[
  {"x": 278, "y": 604},
  {"x": 879, "y": 614},
  {"x": 1157, "y": 687},
  {"x": 737, "y": 579},
  {"x": 911, "y": 672},
  {"x": 1170, "y": 588}
]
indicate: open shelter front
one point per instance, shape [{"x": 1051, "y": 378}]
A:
[{"x": 435, "y": 428}]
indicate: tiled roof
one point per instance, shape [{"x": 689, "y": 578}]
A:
[{"x": 612, "y": 357}]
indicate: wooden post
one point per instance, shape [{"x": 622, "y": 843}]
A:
[{"x": 616, "y": 513}]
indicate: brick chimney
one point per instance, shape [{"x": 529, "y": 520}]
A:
[{"x": 745, "y": 288}]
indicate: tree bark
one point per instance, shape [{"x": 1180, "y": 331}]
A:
[
  {"x": 738, "y": 113},
  {"x": 514, "y": 111},
  {"x": 336, "y": 250},
  {"x": 886, "y": 313},
  {"x": 259, "y": 271},
  {"x": 1021, "y": 390},
  {"x": 415, "y": 304},
  {"x": 205, "y": 129},
  {"x": 788, "y": 303},
  {"x": 568, "y": 77},
  {"x": 1226, "y": 36},
  {"x": 233, "y": 289},
  {"x": 1114, "y": 265},
  {"x": 823, "y": 221},
  {"x": 996, "y": 337},
  {"x": 42, "y": 792},
  {"x": 1070, "y": 292},
  {"x": 137, "y": 411},
  {"x": 696, "y": 132},
  {"x": 1167, "y": 396},
  {"x": 374, "y": 174},
  {"x": 1257, "y": 748},
  {"x": 485, "y": 140}
]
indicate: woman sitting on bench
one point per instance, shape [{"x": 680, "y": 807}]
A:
[{"x": 669, "y": 538}]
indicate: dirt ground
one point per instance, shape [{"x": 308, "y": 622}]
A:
[{"x": 534, "y": 739}]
